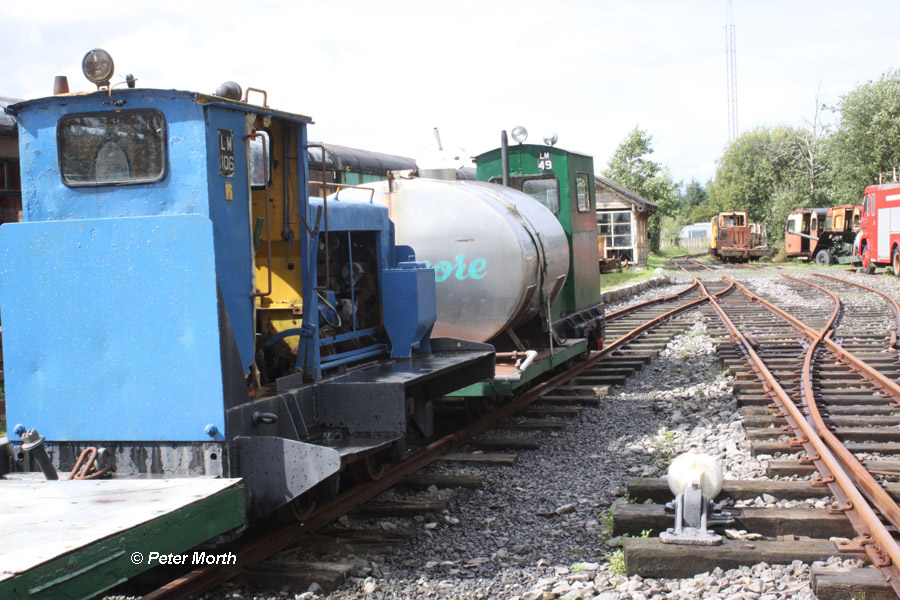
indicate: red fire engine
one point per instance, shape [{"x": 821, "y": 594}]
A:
[{"x": 878, "y": 242}]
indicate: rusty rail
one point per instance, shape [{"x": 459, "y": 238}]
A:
[
  {"x": 841, "y": 470},
  {"x": 630, "y": 309},
  {"x": 895, "y": 330},
  {"x": 875, "y": 540}
]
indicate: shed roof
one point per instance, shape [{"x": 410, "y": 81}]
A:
[
  {"x": 7, "y": 122},
  {"x": 639, "y": 200}
]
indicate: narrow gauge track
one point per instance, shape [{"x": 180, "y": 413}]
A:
[
  {"x": 636, "y": 334},
  {"x": 833, "y": 382}
]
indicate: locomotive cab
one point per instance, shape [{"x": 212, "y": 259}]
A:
[
  {"x": 562, "y": 181},
  {"x": 734, "y": 238},
  {"x": 175, "y": 298}
]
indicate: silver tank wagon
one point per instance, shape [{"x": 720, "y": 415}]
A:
[{"x": 499, "y": 255}]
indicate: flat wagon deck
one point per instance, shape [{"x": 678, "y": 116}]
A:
[{"x": 75, "y": 539}]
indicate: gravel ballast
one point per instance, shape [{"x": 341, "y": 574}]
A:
[{"x": 541, "y": 529}]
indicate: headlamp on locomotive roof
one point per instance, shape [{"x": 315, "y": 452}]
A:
[
  {"x": 551, "y": 138},
  {"x": 520, "y": 134},
  {"x": 97, "y": 66},
  {"x": 231, "y": 90}
]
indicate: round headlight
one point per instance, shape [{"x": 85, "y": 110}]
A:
[
  {"x": 551, "y": 138},
  {"x": 519, "y": 133},
  {"x": 231, "y": 90},
  {"x": 97, "y": 66}
]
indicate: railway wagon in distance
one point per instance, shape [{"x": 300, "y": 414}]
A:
[
  {"x": 822, "y": 234},
  {"x": 878, "y": 241},
  {"x": 735, "y": 239}
]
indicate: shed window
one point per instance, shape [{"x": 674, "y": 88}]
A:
[
  {"x": 116, "y": 148},
  {"x": 9, "y": 175},
  {"x": 616, "y": 228},
  {"x": 583, "y": 192}
]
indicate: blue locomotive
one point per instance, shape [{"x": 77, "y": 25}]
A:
[{"x": 175, "y": 299}]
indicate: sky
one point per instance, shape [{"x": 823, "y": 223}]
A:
[{"x": 382, "y": 75}]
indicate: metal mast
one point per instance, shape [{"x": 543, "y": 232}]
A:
[{"x": 731, "y": 68}]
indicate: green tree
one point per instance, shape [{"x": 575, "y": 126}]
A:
[
  {"x": 693, "y": 194},
  {"x": 694, "y": 204},
  {"x": 765, "y": 173},
  {"x": 864, "y": 145},
  {"x": 631, "y": 167}
]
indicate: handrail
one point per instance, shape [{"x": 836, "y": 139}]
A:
[{"x": 265, "y": 162}]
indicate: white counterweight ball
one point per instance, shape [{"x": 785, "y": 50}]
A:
[{"x": 690, "y": 467}]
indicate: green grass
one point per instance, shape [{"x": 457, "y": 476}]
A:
[
  {"x": 617, "y": 563},
  {"x": 658, "y": 259}
]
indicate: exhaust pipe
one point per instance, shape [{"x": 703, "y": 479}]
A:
[{"x": 504, "y": 157}]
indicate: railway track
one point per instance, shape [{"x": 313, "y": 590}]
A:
[
  {"x": 635, "y": 335},
  {"x": 816, "y": 379},
  {"x": 803, "y": 479}
]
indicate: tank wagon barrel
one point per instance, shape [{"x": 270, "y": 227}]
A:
[
  {"x": 515, "y": 265},
  {"x": 500, "y": 258}
]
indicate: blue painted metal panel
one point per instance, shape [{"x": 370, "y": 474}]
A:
[
  {"x": 182, "y": 191},
  {"x": 231, "y": 226},
  {"x": 344, "y": 215},
  {"x": 408, "y": 297},
  {"x": 110, "y": 328}
]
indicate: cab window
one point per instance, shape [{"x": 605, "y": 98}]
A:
[
  {"x": 583, "y": 192},
  {"x": 543, "y": 189},
  {"x": 121, "y": 148},
  {"x": 260, "y": 150}
]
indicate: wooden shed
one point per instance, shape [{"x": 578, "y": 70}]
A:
[
  {"x": 622, "y": 221},
  {"x": 10, "y": 180}
]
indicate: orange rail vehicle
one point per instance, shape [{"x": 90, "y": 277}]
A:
[
  {"x": 822, "y": 234},
  {"x": 735, "y": 239}
]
